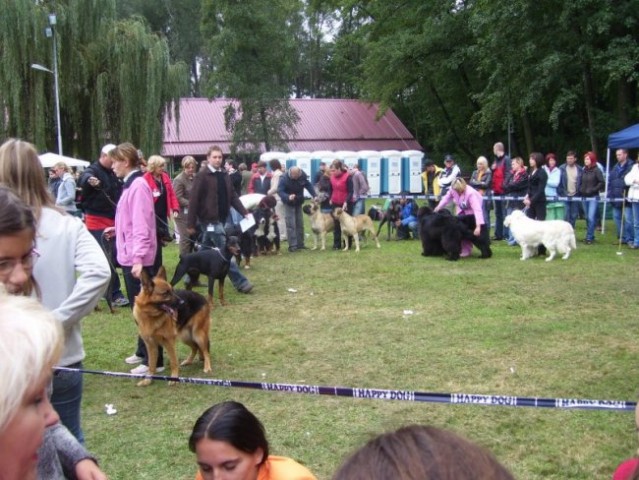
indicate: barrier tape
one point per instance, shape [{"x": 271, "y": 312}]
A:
[
  {"x": 491, "y": 197},
  {"x": 392, "y": 395}
]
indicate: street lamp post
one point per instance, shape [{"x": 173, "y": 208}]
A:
[{"x": 50, "y": 33}]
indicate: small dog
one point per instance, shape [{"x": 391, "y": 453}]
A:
[
  {"x": 321, "y": 223},
  {"x": 557, "y": 236},
  {"x": 212, "y": 262},
  {"x": 163, "y": 315},
  {"x": 267, "y": 233},
  {"x": 352, "y": 226}
]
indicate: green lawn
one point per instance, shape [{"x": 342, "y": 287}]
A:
[{"x": 500, "y": 326}]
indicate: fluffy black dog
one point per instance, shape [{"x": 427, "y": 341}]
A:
[{"x": 442, "y": 232}]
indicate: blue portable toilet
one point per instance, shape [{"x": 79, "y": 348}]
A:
[
  {"x": 412, "y": 170},
  {"x": 371, "y": 164},
  {"x": 319, "y": 156},
  {"x": 303, "y": 160},
  {"x": 391, "y": 171},
  {"x": 268, "y": 156}
]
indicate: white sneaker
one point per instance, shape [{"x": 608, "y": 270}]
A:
[
  {"x": 143, "y": 369},
  {"x": 133, "y": 359}
]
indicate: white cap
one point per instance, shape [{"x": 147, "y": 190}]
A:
[{"x": 108, "y": 148}]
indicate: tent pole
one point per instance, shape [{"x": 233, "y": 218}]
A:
[{"x": 603, "y": 219}]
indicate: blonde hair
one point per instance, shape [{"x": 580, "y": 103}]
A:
[
  {"x": 63, "y": 166},
  {"x": 188, "y": 160},
  {"x": 459, "y": 185},
  {"x": 21, "y": 170},
  {"x": 30, "y": 345},
  {"x": 154, "y": 163},
  {"x": 483, "y": 161}
]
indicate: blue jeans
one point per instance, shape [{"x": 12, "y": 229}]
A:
[
  {"x": 628, "y": 223},
  {"x": 67, "y": 399},
  {"x": 591, "y": 205},
  {"x": 635, "y": 216},
  {"x": 360, "y": 207},
  {"x": 572, "y": 212},
  {"x": 217, "y": 238}
]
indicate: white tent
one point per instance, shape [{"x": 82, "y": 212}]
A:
[{"x": 48, "y": 160}]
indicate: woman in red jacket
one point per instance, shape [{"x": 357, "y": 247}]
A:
[
  {"x": 341, "y": 192},
  {"x": 165, "y": 202}
]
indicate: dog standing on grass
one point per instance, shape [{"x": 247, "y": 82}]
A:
[
  {"x": 321, "y": 223},
  {"x": 557, "y": 236},
  {"x": 212, "y": 262},
  {"x": 353, "y": 226},
  {"x": 163, "y": 315}
]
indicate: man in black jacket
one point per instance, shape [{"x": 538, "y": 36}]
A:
[
  {"x": 291, "y": 191},
  {"x": 100, "y": 192}
]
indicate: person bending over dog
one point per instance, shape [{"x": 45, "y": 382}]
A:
[
  {"x": 468, "y": 202},
  {"x": 230, "y": 443}
]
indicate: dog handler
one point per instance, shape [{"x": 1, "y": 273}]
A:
[
  {"x": 230, "y": 444},
  {"x": 468, "y": 202}
]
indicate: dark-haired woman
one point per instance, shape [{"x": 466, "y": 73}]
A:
[
  {"x": 135, "y": 235},
  {"x": 230, "y": 444},
  {"x": 341, "y": 192},
  {"x": 592, "y": 183}
]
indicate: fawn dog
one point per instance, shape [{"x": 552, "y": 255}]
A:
[
  {"x": 321, "y": 223},
  {"x": 353, "y": 226}
]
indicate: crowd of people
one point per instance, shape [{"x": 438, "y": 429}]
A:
[
  {"x": 127, "y": 205},
  {"x": 546, "y": 190}
]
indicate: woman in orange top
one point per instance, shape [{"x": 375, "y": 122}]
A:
[{"x": 230, "y": 444}]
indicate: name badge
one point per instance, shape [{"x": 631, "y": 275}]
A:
[
  {"x": 186, "y": 211},
  {"x": 210, "y": 228},
  {"x": 156, "y": 193}
]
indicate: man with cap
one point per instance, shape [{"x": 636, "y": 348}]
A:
[
  {"x": 101, "y": 190},
  {"x": 449, "y": 175}
]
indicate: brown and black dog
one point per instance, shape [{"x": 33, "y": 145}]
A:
[{"x": 163, "y": 315}]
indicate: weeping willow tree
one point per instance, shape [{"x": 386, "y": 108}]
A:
[{"x": 116, "y": 78}]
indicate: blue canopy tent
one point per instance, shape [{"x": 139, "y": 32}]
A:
[{"x": 626, "y": 138}]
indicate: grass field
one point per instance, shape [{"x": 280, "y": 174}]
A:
[{"x": 563, "y": 329}]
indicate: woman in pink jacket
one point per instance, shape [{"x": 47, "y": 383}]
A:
[
  {"x": 468, "y": 202},
  {"x": 135, "y": 234}
]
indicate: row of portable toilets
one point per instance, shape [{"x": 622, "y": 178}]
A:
[{"x": 387, "y": 171}]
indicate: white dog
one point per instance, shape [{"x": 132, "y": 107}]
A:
[{"x": 556, "y": 235}]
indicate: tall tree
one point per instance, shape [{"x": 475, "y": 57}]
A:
[
  {"x": 249, "y": 58},
  {"x": 116, "y": 80}
]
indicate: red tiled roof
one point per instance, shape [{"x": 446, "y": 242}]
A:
[{"x": 325, "y": 124}]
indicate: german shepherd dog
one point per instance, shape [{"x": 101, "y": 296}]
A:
[
  {"x": 353, "y": 226},
  {"x": 321, "y": 223},
  {"x": 212, "y": 262},
  {"x": 163, "y": 315}
]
